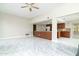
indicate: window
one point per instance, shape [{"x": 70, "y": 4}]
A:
[{"x": 76, "y": 28}]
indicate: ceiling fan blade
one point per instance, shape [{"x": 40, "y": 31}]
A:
[
  {"x": 32, "y": 3},
  {"x": 35, "y": 7},
  {"x": 30, "y": 9},
  {"x": 23, "y": 6},
  {"x": 27, "y": 3}
]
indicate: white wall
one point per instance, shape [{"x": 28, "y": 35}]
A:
[
  {"x": 0, "y": 26},
  {"x": 39, "y": 19},
  {"x": 70, "y": 25},
  {"x": 14, "y": 26}
]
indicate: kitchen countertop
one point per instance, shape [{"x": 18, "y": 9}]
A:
[{"x": 43, "y": 31}]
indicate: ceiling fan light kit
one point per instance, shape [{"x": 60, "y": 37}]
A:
[{"x": 30, "y": 6}]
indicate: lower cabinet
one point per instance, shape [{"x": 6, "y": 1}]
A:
[
  {"x": 45, "y": 35},
  {"x": 58, "y": 34},
  {"x": 65, "y": 34}
]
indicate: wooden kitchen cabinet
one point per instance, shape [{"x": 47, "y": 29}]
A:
[
  {"x": 34, "y": 27},
  {"x": 58, "y": 34},
  {"x": 45, "y": 35},
  {"x": 60, "y": 25},
  {"x": 65, "y": 34},
  {"x": 49, "y": 25}
]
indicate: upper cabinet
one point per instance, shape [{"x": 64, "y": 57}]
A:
[
  {"x": 34, "y": 27},
  {"x": 50, "y": 26},
  {"x": 61, "y": 25}
]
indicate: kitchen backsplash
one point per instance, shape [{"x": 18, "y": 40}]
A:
[{"x": 42, "y": 27}]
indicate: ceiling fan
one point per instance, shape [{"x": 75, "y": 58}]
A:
[{"x": 30, "y": 6}]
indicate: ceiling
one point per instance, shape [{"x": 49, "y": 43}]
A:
[
  {"x": 45, "y": 22},
  {"x": 15, "y": 9},
  {"x": 72, "y": 18}
]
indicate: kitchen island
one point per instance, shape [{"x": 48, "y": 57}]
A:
[{"x": 43, "y": 34}]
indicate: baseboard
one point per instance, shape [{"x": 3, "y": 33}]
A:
[{"x": 12, "y": 37}]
